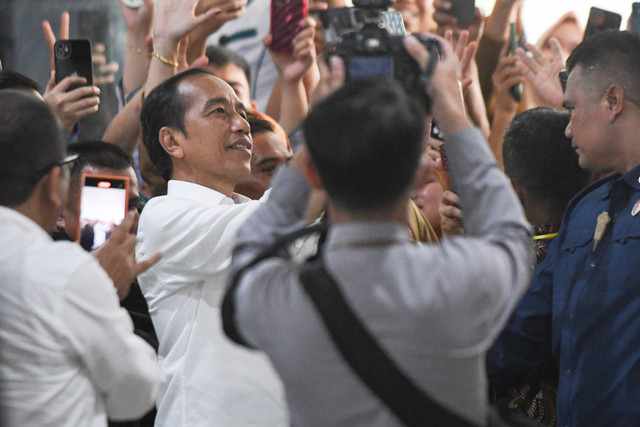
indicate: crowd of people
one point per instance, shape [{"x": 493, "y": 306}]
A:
[{"x": 302, "y": 247}]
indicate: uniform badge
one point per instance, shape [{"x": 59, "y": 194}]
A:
[{"x": 636, "y": 209}]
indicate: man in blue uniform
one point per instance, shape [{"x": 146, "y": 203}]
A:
[{"x": 583, "y": 306}]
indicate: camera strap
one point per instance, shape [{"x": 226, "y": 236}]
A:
[{"x": 367, "y": 359}]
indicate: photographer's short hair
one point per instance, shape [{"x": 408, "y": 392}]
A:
[
  {"x": 366, "y": 140},
  {"x": 99, "y": 154},
  {"x": 539, "y": 157},
  {"x": 220, "y": 56},
  {"x": 31, "y": 144},
  {"x": 14, "y": 80},
  {"x": 610, "y": 57},
  {"x": 165, "y": 106}
]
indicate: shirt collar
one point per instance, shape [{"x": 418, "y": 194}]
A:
[
  {"x": 632, "y": 178},
  {"x": 8, "y": 215},
  {"x": 367, "y": 233},
  {"x": 201, "y": 194}
]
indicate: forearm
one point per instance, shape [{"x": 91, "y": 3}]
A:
[
  {"x": 475, "y": 104},
  {"x": 498, "y": 22},
  {"x": 135, "y": 62},
  {"x": 293, "y": 105},
  {"x": 160, "y": 71},
  {"x": 501, "y": 120},
  {"x": 124, "y": 130}
]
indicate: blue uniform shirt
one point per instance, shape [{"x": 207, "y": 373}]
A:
[{"x": 583, "y": 308}]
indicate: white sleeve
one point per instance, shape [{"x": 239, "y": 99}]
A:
[{"x": 123, "y": 368}]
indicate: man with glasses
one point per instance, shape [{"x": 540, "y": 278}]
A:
[
  {"x": 582, "y": 309},
  {"x": 67, "y": 352}
]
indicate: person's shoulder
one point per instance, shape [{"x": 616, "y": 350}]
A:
[{"x": 591, "y": 193}]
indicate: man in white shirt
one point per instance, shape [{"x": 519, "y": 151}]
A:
[
  {"x": 195, "y": 130},
  {"x": 68, "y": 356}
]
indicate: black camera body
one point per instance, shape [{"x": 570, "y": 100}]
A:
[{"x": 371, "y": 50}]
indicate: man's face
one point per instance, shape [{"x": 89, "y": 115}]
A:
[
  {"x": 217, "y": 145},
  {"x": 71, "y": 213},
  {"x": 588, "y": 126},
  {"x": 269, "y": 152},
  {"x": 235, "y": 77}
]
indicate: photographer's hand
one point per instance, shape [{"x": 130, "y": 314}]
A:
[
  {"x": 331, "y": 79},
  {"x": 50, "y": 37},
  {"x": 444, "y": 85},
  {"x": 542, "y": 73}
]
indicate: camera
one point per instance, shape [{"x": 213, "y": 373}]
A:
[
  {"x": 363, "y": 39},
  {"x": 63, "y": 49}
]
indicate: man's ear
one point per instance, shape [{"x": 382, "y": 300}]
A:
[
  {"x": 311, "y": 172},
  {"x": 167, "y": 138},
  {"x": 54, "y": 187},
  {"x": 614, "y": 101}
]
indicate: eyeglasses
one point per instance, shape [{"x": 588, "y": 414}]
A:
[{"x": 66, "y": 162}]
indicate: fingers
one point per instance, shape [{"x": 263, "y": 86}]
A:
[
  {"x": 64, "y": 26},
  {"x": 121, "y": 232},
  {"x": 200, "y": 62},
  {"x": 556, "y": 49},
  {"x": 143, "y": 266},
  {"x": 48, "y": 34},
  {"x": 51, "y": 83},
  {"x": 417, "y": 51}
]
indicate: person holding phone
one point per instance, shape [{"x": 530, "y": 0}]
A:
[{"x": 63, "y": 336}]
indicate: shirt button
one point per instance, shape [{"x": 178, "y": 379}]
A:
[
  {"x": 567, "y": 372},
  {"x": 570, "y": 316},
  {"x": 593, "y": 264}
]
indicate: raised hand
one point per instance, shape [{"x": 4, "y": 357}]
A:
[
  {"x": 506, "y": 75},
  {"x": 293, "y": 67},
  {"x": 451, "y": 221},
  {"x": 543, "y": 73},
  {"x": 73, "y": 105},
  {"x": 50, "y": 37},
  {"x": 117, "y": 257}
]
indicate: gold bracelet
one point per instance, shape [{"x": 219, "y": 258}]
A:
[{"x": 174, "y": 64}]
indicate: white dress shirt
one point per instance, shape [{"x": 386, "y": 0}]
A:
[
  {"x": 68, "y": 355},
  {"x": 211, "y": 381}
]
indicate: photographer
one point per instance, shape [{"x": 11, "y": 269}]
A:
[{"x": 433, "y": 309}]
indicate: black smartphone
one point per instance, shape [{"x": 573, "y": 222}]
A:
[
  {"x": 464, "y": 11},
  {"x": 515, "y": 90},
  {"x": 285, "y": 17},
  {"x": 601, "y": 20},
  {"x": 103, "y": 206},
  {"x": 73, "y": 58},
  {"x": 634, "y": 21}
]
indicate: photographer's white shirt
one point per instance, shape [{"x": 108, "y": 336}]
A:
[{"x": 211, "y": 381}]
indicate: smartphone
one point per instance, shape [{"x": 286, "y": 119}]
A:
[
  {"x": 285, "y": 16},
  {"x": 515, "y": 90},
  {"x": 634, "y": 21},
  {"x": 464, "y": 11},
  {"x": 601, "y": 20},
  {"x": 103, "y": 206},
  {"x": 73, "y": 58}
]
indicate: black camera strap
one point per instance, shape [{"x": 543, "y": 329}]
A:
[{"x": 367, "y": 359}]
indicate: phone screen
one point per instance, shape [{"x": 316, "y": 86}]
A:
[
  {"x": 601, "y": 20},
  {"x": 285, "y": 17},
  {"x": 73, "y": 58},
  {"x": 103, "y": 206}
]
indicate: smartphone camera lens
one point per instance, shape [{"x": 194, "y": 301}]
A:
[{"x": 63, "y": 49}]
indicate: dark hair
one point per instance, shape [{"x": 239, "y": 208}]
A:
[
  {"x": 14, "y": 80},
  {"x": 259, "y": 126},
  {"x": 539, "y": 156},
  {"x": 220, "y": 56},
  {"x": 165, "y": 106},
  {"x": 31, "y": 143},
  {"x": 366, "y": 140},
  {"x": 611, "y": 57},
  {"x": 99, "y": 154}
]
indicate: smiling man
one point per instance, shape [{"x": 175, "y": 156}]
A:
[
  {"x": 583, "y": 306},
  {"x": 195, "y": 130}
]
